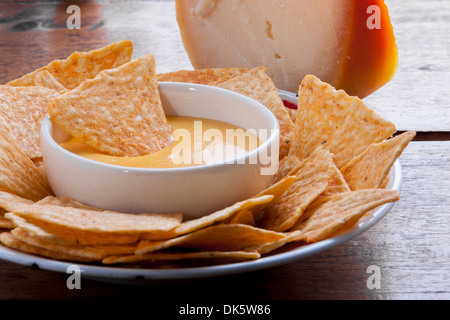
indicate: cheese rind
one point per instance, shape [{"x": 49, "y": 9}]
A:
[{"x": 372, "y": 55}]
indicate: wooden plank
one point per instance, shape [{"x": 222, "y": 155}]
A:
[
  {"x": 33, "y": 34},
  {"x": 418, "y": 97},
  {"x": 154, "y": 30},
  {"x": 411, "y": 244}
]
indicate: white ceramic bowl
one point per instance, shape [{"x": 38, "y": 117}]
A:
[{"x": 194, "y": 191}]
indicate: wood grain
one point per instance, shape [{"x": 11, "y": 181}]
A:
[
  {"x": 35, "y": 33},
  {"x": 154, "y": 30}
]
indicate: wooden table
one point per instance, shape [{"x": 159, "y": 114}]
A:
[{"x": 410, "y": 245}]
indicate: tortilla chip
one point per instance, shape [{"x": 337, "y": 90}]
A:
[
  {"x": 287, "y": 164},
  {"x": 68, "y": 236},
  {"x": 43, "y": 79},
  {"x": 18, "y": 174},
  {"x": 336, "y": 185},
  {"x": 257, "y": 85},
  {"x": 9, "y": 201},
  {"x": 210, "y": 77},
  {"x": 39, "y": 164},
  {"x": 222, "y": 237},
  {"x": 242, "y": 217},
  {"x": 276, "y": 190},
  {"x": 5, "y": 223},
  {"x": 94, "y": 253},
  {"x": 385, "y": 182},
  {"x": 24, "y": 224},
  {"x": 65, "y": 202},
  {"x": 22, "y": 110},
  {"x": 205, "y": 221},
  {"x": 341, "y": 210},
  {"x": 292, "y": 114},
  {"x": 340, "y": 123},
  {"x": 119, "y": 112},
  {"x": 265, "y": 248},
  {"x": 11, "y": 241},
  {"x": 80, "y": 66},
  {"x": 107, "y": 222},
  {"x": 216, "y": 255},
  {"x": 312, "y": 177},
  {"x": 371, "y": 168}
]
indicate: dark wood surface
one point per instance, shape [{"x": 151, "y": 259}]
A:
[{"x": 410, "y": 245}]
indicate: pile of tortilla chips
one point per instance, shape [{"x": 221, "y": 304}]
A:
[{"x": 335, "y": 158}]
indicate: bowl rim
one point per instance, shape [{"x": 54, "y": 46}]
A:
[{"x": 47, "y": 123}]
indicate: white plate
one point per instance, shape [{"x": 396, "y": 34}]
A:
[{"x": 149, "y": 276}]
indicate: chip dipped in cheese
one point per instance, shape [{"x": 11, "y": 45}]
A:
[{"x": 347, "y": 43}]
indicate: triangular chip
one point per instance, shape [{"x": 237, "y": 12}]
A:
[
  {"x": 65, "y": 202},
  {"x": 385, "y": 182},
  {"x": 68, "y": 236},
  {"x": 265, "y": 248},
  {"x": 80, "y": 66},
  {"x": 257, "y": 85},
  {"x": 208, "y": 220},
  {"x": 340, "y": 210},
  {"x": 210, "y": 77},
  {"x": 222, "y": 237},
  {"x": 42, "y": 78},
  {"x": 336, "y": 185},
  {"x": 18, "y": 174},
  {"x": 94, "y": 253},
  {"x": 287, "y": 164},
  {"x": 119, "y": 112},
  {"x": 5, "y": 223},
  {"x": 9, "y": 201},
  {"x": 292, "y": 114},
  {"x": 370, "y": 169},
  {"x": 39, "y": 163},
  {"x": 275, "y": 190},
  {"x": 340, "y": 123},
  {"x": 102, "y": 222},
  {"x": 29, "y": 227},
  {"x": 242, "y": 217},
  {"x": 312, "y": 178},
  {"x": 9, "y": 240},
  {"x": 22, "y": 110}
]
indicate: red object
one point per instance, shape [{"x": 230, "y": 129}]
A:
[{"x": 290, "y": 105}]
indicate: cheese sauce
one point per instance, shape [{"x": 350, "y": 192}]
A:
[{"x": 197, "y": 141}]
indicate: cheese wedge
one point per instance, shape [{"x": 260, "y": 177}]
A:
[{"x": 347, "y": 43}]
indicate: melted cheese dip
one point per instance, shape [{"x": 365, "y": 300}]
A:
[{"x": 197, "y": 141}]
